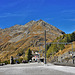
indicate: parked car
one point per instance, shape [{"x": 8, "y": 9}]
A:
[
  {"x": 17, "y": 62},
  {"x": 30, "y": 60},
  {"x": 24, "y": 61}
]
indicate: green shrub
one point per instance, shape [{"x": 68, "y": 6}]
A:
[
  {"x": 6, "y": 62},
  {"x": 19, "y": 60}
]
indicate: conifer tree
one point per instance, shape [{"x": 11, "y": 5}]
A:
[{"x": 28, "y": 55}]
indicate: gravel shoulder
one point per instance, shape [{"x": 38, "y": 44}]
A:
[{"x": 36, "y": 69}]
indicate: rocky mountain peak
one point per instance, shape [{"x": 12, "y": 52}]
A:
[
  {"x": 30, "y": 23},
  {"x": 30, "y": 35},
  {"x": 40, "y": 20}
]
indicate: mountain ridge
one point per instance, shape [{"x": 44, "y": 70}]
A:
[{"x": 31, "y": 35}]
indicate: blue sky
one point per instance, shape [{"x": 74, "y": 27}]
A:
[{"x": 59, "y": 13}]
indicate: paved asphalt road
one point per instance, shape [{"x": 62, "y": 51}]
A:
[{"x": 36, "y": 69}]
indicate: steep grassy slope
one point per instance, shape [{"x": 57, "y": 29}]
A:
[
  {"x": 66, "y": 49},
  {"x": 61, "y": 49}
]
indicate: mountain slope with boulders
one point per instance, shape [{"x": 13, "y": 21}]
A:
[{"x": 14, "y": 41}]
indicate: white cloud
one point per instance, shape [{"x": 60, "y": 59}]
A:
[
  {"x": 2, "y": 16},
  {"x": 12, "y": 14},
  {"x": 70, "y": 19},
  {"x": 68, "y": 11},
  {"x": 11, "y": 4},
  {"x": 48, "y": 18}
]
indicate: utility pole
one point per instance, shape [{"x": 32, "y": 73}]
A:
[
  {"x": 45, "y": 47},
  {"x": 72, "y": 53}
]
